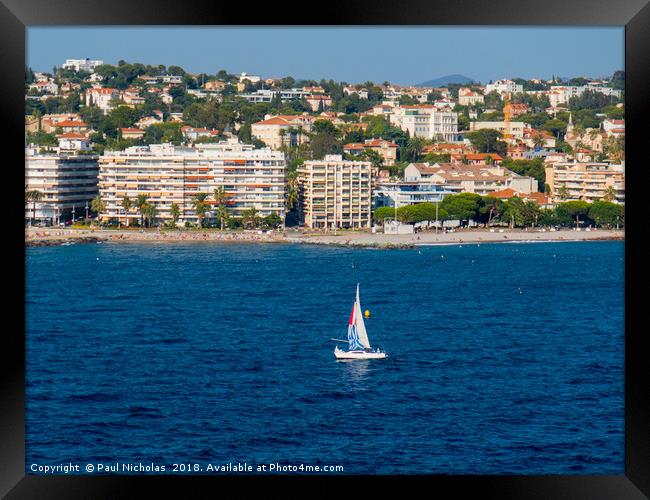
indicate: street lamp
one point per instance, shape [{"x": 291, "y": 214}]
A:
[
  {"x": 73, "y": 212},
  {"x": 86, "y": 210}
]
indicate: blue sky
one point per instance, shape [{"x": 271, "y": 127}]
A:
[{"x": 402, "y": 55}]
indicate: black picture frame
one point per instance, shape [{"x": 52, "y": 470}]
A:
[{"x": 16, "y": 15}]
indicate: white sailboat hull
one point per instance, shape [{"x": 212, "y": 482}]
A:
[{"x": 341, "y": 354}]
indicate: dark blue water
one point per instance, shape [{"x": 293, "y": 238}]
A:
[{"x": 505, "y": 358}]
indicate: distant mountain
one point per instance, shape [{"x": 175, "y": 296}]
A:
[{"x": 445, "y": 80}]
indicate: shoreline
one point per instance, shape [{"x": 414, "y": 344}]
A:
[{"x": 62, "y": 237}]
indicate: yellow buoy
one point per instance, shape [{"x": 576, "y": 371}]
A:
[{"x": 367, "y": 313}]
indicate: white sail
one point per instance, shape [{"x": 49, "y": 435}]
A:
[{"x": 361, "y": 327}]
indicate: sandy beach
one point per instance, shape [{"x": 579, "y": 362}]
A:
[{"x": 60, "y": 236}]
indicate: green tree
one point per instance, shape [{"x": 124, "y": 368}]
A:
[
  {"x": 563, "y": 193},
  {"x": 98, "y": 206},
  {"x": 149, "y": 211},
  {"x": 126, "y": 205},
  {"x": 413, "y": 150},
  {"x": 200, "y": 205},
  {"x": 609, "y": 194},
  {"x": 324, "y": 139},
  {"x": 272, "y": 221},
  {"x": 575, "y": 209},
  {"x": 489, "y": 209},
  {"x": 221, "y": 201},
  {"x": 605, "y": 213},
  {"x": 250, "y": 218},
  {"x": 34, "y": 197},
  {"x": 175, "y": 212},
  {"x": 140, "y": 203},
  {"x": 487, "y": 141},
  {"x": 513, "y": 212},
  {"x": 462, "y": 207},
  {"x": 382, "y": 213}
]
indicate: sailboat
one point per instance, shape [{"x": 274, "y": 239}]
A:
[{"x": 358, "y": 343}]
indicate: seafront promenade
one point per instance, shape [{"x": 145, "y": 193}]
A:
[{"x": 44, "y": 236}]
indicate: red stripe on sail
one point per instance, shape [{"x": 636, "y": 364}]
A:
[{"x": 352, "y": 321}]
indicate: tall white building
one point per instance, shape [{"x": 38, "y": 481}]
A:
[
  {"x": 426, "y": 121},
  {"x": 335, "y": 193},
  {"x": 171, "y": 174},
  {"x": 503, "y": 86},
  {"x": 82, "y": 64},
  {"x": 67, "y": 182}
]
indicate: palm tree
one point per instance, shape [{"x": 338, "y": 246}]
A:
[
  {"x": 610, "y": 194},
  {"x": 175, "y": 212},
  {"x": 98, "y": 206},
  {"x": 538, "y": 140},
  {"x": 33, "y": 197},
  {"x": 563, "y": 193},
  {"x": 376, "y": 160},
  {"x": 221, "y": 203},
  {"x": 140, "y": 202},
  {"x": 149, "y": 211},
  {"x": 293, "y": 193},
  {"x": 126, "y": 205},
  {"x": 250, "y": 217},
  {"x": 200, "y": 206}
]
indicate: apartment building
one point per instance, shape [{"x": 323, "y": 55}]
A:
[
  {"x": 387, "y": 150},
  {"x": 399, "y": 194},
  {"x": 588, "y": 181},
  {"x": 335, "y": 193},
  {"x": 276, "y": 131},
  {"x": 171, "y": 174},
  {"x": 504, "y": 86},
  {"x": 68, "y": 182},
  {"x": 82, "y": 64},
  {"x": 426, "y": 121},
  {"x": 560, "y": 94},
  {"x": 461, "y": 178},
  {"x": 468, "y": 97},
  {"x": 102, "y": 97}
]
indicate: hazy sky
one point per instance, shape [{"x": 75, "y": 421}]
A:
[{"x": 402, "y": 55}]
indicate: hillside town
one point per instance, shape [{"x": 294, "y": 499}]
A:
[{"x": 134, "y": 145}]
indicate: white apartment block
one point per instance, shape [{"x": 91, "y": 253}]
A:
[
  {"x": 170, "y": 174},
  {"x": 82, "y": 64},
  {"x": 250, "y": 78},
  {"x": 335, "y": 193},
  {"x": 560, "y": 94},
  {"x": 504, "y": 86},
  {"x": 426, "y": 121},
  {"x": 282, "y": 130},
  {"x": 460, "y": 178},
  {"x": 588, "y": 181},
  {"x": 468, "y": 97},
  {"x": 102, "y": 98},
  {"x": 67, "y": 183}
]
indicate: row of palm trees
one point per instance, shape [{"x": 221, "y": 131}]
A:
[
  {"x": 200, "y": 204},
  {"x": 33, "y": 197}
]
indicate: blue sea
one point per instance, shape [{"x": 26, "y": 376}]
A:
[{"x": 503, "y": 358}]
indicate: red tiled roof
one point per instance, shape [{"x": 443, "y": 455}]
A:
[
  {"x": 540, "y": 198},
  {"x": 72, "y": 135},
  {"x": 105, "y": 90},
  {"x": 476, "y": 156},
  {"x": 504, "y": 193},
  {"x": 276, "y": 120},
  {"x": 71, "y": 123}
]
